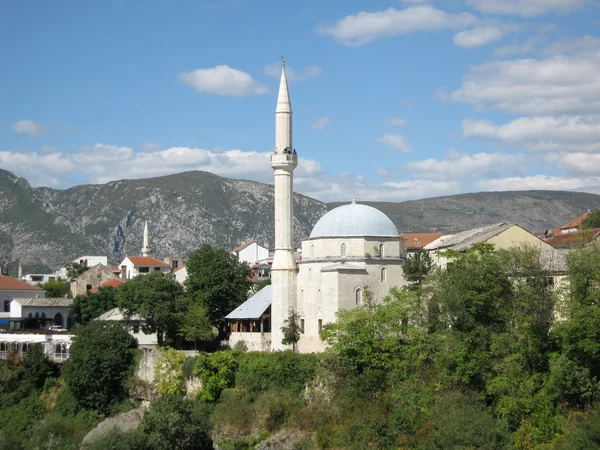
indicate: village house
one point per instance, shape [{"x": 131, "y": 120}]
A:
[
  {"x": 11, "y": 288},
  {"x": 572, "y": 234},
  {"x": 250, "y": 252},
  {"x": 132, "y": 266},
  {"x": 91, "y": 278},
  {"x": 416, "y": 241}
]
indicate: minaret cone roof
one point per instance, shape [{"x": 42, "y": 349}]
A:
[{"x": 283, "y": 98}]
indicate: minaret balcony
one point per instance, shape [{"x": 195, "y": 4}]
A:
[{"x": 284, "y": 160}]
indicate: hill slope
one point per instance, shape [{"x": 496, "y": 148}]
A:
[{"x": 47, "y": 227}]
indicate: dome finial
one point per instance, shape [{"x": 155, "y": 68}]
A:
[{"x": 353, "y": 198}]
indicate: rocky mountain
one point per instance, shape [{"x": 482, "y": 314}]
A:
[{"x": 48, "y": 227}]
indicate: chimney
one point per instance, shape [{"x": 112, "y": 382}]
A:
[{"x": 20, "y": 273}]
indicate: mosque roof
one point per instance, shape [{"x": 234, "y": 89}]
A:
[
  {"x": 354, "y": 220},
  {"x": 254, "y": 307}
]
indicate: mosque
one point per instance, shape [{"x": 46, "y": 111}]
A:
[{"x": 350, "y": 247}]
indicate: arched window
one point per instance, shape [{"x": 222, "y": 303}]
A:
[
  {"x": 30, "y": 315},
  {"x": 309, "y": 275},
  {"x": 58, "y": 319},
  {"x": 381, "y": 255},
  {"x": 43, "y": 315},
  {"x": 358, "y": 295},
  {"x": 383, "y": 274},
  {"x": 343, "y": 249},
  {"x": 37, "y": 315},
  {"x": 319, "y": 298}
]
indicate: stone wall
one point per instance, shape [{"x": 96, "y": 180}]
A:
[{"x": 93, "y": 277}]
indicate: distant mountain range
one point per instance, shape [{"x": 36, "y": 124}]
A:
[{"x": 48, "y": 227}]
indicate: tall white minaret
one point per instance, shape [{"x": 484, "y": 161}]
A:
[
  {"x": 283, "y": 161},
  {"x": 146, "y": 250}
]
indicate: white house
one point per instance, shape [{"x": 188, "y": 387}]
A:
[
  {"x": 180, "y": 274},
  {"x": 135, "y": 326},
  {"x": 39, "y": 313},
  {"x": 35, "y": 278},
  {"x": 132, "y": 266},
  {"x": 11, "y": 288},
  {"x": 91, "y": 261},
  {"x": 250, "y": 252}
]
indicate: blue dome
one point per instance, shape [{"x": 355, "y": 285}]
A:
[{"x": 354, "y": 220}]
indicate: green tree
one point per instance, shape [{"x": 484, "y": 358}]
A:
[
  {"x": 101, "y": 361},
  {"x": 291, "y": 330},
  {"x": 593, "y": 220},
  {"x": 56, "y": 288},
  {"x": 417, "y": 267},
  {"x": 88, "y": 307},
  {"x": 217, "y": 281},
  {"x": 196, "y": 326},
  {"x": 158, "y": 299},
  {"x": 170, "y": 423},
  {"x": 168, "y": 372},
  {"x": 217, "y": 372},
  {"x": 75, "y": 269}
]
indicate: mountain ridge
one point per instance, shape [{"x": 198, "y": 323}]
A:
[{"x": 47, "y": 227}]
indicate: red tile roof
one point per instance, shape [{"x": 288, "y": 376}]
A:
[
  {"x": 147, "y": 261},
  {"x": 14, "y": 284},
  {"x": 419, "y": 240},
  {"x": 577, "y": 222},
  {"x": 113, "y": 283},
  {"x": 243, "y": 246},
  {"x": 114, "y": 268},
  {"x": 575, "y": 238}
]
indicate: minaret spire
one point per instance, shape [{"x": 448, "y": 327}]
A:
[
  {"x": 146, "y": 250},
  {"x": 283, "y": 162},
  {"x": 283, "y": 115}
]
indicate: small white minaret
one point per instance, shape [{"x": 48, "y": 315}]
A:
[
  {"x": 146, "y": 250},
  {"x": 283, "y": 161}
]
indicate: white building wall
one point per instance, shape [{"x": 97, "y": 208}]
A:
[
  {"x": 253, "y": 253},
  {"x": 181, "y": 275},
  {"x": 133, "y": 271},
  {"x": 91, "y": 261},
  {"x": 10, "y": 295},
  {"x": 254, "y": 341}
]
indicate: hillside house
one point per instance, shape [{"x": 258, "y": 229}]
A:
[
  {"x": 132, "y": 266},
  {"x": 251, "y": 321},
  {"x": 11, "y": 288},
  {"x": 180, "y": 274},
  {"x": 39, "y": 313},
  {"x": 571, "y": 234},
  {"x": 416, "y": 241},
  {"x": 92, "y": 278},
  {"x": 135, "y": 326},
  {"x": 37, "y": 278},
  {"x": 250, "y": 252}
]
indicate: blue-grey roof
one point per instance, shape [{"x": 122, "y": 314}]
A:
[
  {"x": 342, "y": 266},
  {"x": 354, "y": 220},
  {"x": 254, "y": 307}
]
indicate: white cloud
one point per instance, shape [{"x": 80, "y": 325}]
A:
[
  {"x": 462, "y": 166},
  {"x": 274, "y": 70},
  {"x": 223, "y": 80},
  {"x": 522, "y": 48},
  {"x": 478, "y": 36},
  {"x": 150, "y": 145},
  {"x": 527, "y": 8},
  {"x": 578, "y": 164},
  {"x": 101, "y": 163},
  {"x": 320, "y": 123},
  {"x": 565, "y": 133},
  {"x": 28, "y": 127},
  {"x": 396, "y": 122},
  {"x": 395, "y": 141},
  {"x": 364, "y": 27},
  {"x": 541, "y": 182},
  {"x": 405, "y": 104},
  {"x": 567, "y": 83},
  {"x": 48, "y": 148}
]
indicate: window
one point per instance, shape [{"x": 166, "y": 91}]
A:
[
  {"x": 320, "y": 325},
  {"x": 88, "y": 287},
  {"x": 343, "y": 249},
  {"x": 309, "y": 274},
  {"x": 381, "y": 255},
  {"x": 144, "y": 270},
  {"x": 157, "y": 269},
  {"x": 175, "y": 264},
  {"x": 312, "y": 251},
  {"x": 136, "y": 328},
  {"x": 359, "y": 298},
  {"x": 319, "y": 298},
  {"x": 123, "y": 272},
  {"x": 383, "y": 274},
  {"x": 302, "y": 326},
  {"x": 6, "y": 305}
]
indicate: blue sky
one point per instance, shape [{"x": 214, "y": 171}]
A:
[{"x": 395, "y": 100}]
